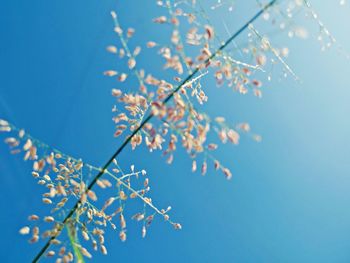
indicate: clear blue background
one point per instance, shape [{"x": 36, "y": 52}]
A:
[{"x": 289, "y": 197}]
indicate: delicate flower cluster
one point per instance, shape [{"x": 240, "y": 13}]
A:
[
  {"x": 193, "y": 46},
  {"x": 65, "y": 180},
  {"x": 194, "y": 51},
  {"x": 180, "y": 121}
]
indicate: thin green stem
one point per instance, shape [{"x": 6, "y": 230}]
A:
[{"x": 147, "y": 119}]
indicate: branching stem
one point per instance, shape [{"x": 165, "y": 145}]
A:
[{"x": 146, "y": 120}]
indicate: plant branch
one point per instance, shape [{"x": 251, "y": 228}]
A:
[{"x": 146, "y": 120}]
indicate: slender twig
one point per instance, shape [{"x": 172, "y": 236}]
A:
[{"x": 146, "y": 120}]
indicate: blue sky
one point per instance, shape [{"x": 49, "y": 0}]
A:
[{"x": 288, "y": 200}]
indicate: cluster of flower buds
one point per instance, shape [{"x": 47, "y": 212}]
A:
[{"x": 64, "y": 179}]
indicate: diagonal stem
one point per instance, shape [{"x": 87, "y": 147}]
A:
[{"x": 146, "y": 120}]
